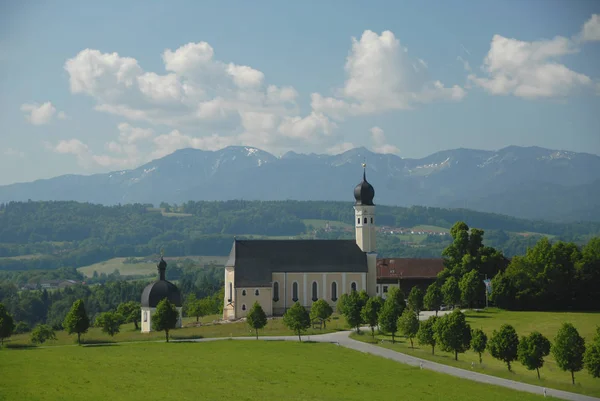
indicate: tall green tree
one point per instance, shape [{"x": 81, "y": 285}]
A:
[
  {"x": 297, "y": 319},
  {"x": 408, "y": 323},
  {"x": 415, "y": 300},
  {"x": 7, "y": 324},
  {"x": 370, "y": 313},
  {"x": 341, "y": 303},
  {"x": 352, "y": 310},
  {"x": 397, "y": 298},
  {"x": 453, "y": 333},
  {"x": 256, "y": 318},
  {"x": 592, "y": 355},
  {"x": 426, "y": 333},
  {"x": 504, "y": 343},
  {"x": 532, "y": 350},
  {"x": 451, "y": 292},
  {"x": 77, "y": 320},
  {"x": 568, "y": 349},
  {"x": 471, "y": 286},
  {"x": 131, "y": 312},
  {"x": 433, "y": 298},
  {"x": 165, "y": 317},
  {"x": 478, "y": 342},
  {"x": 42, "y": 333},
  {"x": 388, "y": 317},
  {"x": 321, "y": 309},
  {"x": 110, "y": 322}
]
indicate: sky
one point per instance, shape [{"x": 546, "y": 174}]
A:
[{"x": 89, "y": 87}]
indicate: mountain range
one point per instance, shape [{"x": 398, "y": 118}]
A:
[{"x": 526, "y": 182}]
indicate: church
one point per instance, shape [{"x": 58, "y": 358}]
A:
[{"x": 279, "y": 273}]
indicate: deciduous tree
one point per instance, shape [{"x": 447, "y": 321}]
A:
[
  {"x": 592, "y": 355},
  {"x": 426, "y": 333},
  {"x": 453, "y": 333},
  {"x": 256, "y": 318},
  {"x": 470, "y": 286},
  {"x": 297, "y": 319},
  {"x": 504, "y": 343},
  {"x": 532, "y": 350},
  {"x": 7, "y": 324},
  {"x": 352, "y": 310},
  {"x": 408, "y": 323},
  {"x": 415, "y": 300},
  {"x": 370, "y": 312},
  {"x": 110, "y": 322},
  {"x": 388, "y": 317},
  {"x": 433, "y": 298},
  {"x": 131, "y": 312},
  {"x": 321, "y": 309},
  {"x": 451, "y": 292},
  {"x": 42, "y": 333},
  {"x": 568, "y": 349},
  {"x": 478, "y": 342},
  {"x": 165, "y": 317},
  {"x": 77, "y": 320}
]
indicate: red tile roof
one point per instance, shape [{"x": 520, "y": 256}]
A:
[{"x": 409, "y": 268}]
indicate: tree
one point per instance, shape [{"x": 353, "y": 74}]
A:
[
  {"x": 42, "y": 333},
  {"x": 165, "y": 317},
  {"x": 426, "y": 333},
  {"x": 341, "y": 304},
  {"x": 470, "y": 286},
  {"x": 415, "y": 300},
  {"x": 478, "y": 342},
  {"x": 297, "y": 319},
  {"x": 370, "y": 312},
  {"x": 503, "y": 344},
  {"x": 408, "y": 324},
  {"x": 433, "y": 298},
  {"x": 198, "y": 308},
  {"x": 110, "y": 322},
  {"x": 77, "y": 320},
  {"x": 256, "y": 318},
  {"x": 7, "y": 324},
  {"x": 532, "y": 350},
  {"x": 321, "y": 310},
  {"x": 453, "y": 333},
  {"x": 131, "y": 312},
  {"x": 397, "y": 297},
  {"x": 451, "y": 292},
  {"x": 568, "y": 349},
  {"x": 592, "y": 356},
  {"x": 388, "y": 317},
  {"x": 352, "y": 310}
]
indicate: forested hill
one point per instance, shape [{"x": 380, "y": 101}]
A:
[{"x": 41, "y": 235}]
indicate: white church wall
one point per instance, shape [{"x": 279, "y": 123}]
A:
[{"x": 148, "y": 313}]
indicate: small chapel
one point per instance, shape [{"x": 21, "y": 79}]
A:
[
  {"x": 279, "y": 273},
  {"x": 156, "y": 292}
]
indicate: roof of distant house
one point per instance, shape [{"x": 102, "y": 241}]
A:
[{"x": 412, "y": 268}]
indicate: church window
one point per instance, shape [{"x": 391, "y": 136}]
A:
[
  {"x": 358, "y": 220},
  {"x": 315, "y": 294},
  {"x": 243, "y": 293},
  {"x": 353, "y": 286},
  {"x": 145, "y": 316},
  {"x": 256, "y": 292},
  {"x": 243, "y": 306},
  {"x": 275, "y": 291},
  {"x": 230, "y": 292},
  {"x": 371, "y": 220},
  {"x": 365, "y": 221},
  {"x": 334, "y": 291},
  {"x": 377, "y": 290},
  {"x": 385, "y": 288},
  {"x": 295, "y": 292}
]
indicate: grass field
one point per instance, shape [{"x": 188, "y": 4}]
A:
[
  {"x": 274, "y": 327},
  {"x": 524, "y": 323},
  {"x": 129, "y": 269},
  {"x": 233, "y": 370}
]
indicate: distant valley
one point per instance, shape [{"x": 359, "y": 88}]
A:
[{"x": 532, "y": 182}]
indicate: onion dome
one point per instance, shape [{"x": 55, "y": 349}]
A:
[
  {"x": 364, "y": 192},
  {"x": 161, "y": 289}
]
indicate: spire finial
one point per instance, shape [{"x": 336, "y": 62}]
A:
[
  {"x": 162, "y": 252},
  {"x": 364, "y": 165}
]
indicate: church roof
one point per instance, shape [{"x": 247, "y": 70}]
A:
[
  {"x": 255, "y": 260},
  {"x": 409, "y": 268},
  {"x": 161, "y": 289}
]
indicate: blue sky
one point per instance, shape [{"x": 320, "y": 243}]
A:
[{"x": 91, "y": 87}]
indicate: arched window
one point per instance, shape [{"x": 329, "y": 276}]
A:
[
  {"x": 145, "y": 316},
  {"x": 365, "y": 221},
  {"x": 371, "y": 220},
  {"x": 295, "y": 292},
  {"x": 256, "y": 292},
  {"x": 315, "y": 294},
  {"x": 275, "y": 291},
  {"x": 243, "y": 306},
  {"x": 230, "y": 292},
  {"x": 243, "y": 293},
  {"x": 358, "y": 220},
  {"x": 353, "y": 286},
  {"x": 334, "y": 291}
]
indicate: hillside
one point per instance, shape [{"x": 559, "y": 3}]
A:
[{"x": 523, "y": 182}]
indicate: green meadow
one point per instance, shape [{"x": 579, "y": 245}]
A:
[
  {"x": 234, "y": 370},
  {"x": 524, "y": 323}
]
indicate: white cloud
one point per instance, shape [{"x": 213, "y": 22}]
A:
[
  {"x": 168, "y": 143},
  {"x": 380, "y": 77},
  {"x": 465, "y": 63},
  {"x": 340, "y": 148},
  {"x": 130, "y": 135},
  {"x": 591, "y": 29},
  {"x": 532, "y": 69},
  {"x": 380, "y": 144},
  {"x": 41, "y": 114}
]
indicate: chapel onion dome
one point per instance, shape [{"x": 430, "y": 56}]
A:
[
  {"x": 364, "y": 192},
  {"x": 161, "y": 289}
]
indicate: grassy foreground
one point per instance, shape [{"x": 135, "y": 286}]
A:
[
  {"x": 546, "y": 323},
  {"x": 235, "y": 370}
]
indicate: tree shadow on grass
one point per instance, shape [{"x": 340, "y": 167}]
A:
[
  {"x": 92, "y": 341},
  {"x": 185, "y": 337},
  {"x": 20, "y": 346},
  {"x": 113, "y": 344}
]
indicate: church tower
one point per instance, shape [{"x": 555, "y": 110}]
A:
[{"x": 364, "y": 223}]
